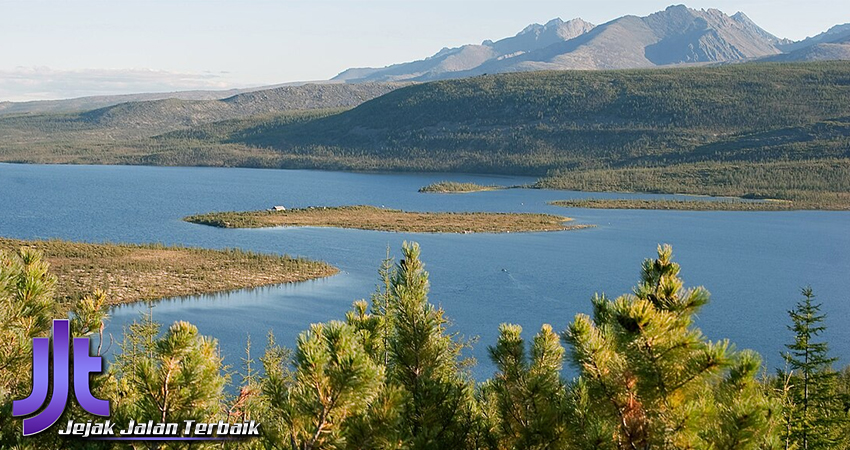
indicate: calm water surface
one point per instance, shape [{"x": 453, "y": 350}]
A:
[{"x": 753, "y": 263}]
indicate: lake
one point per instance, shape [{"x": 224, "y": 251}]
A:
[{"x": 753, "y": 263}]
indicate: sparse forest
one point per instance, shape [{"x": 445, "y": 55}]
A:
[{"x": 391, "y": 374}]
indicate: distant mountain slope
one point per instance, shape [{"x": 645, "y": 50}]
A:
[
  {"x": 833, "y": 44},
  {"x": 147, "y": 118},
  {"x": 677, "y": 35},
  {"x": 170, "y": 114},
  {"x": 453, "y": 60},
  {"x": 836, "y": 34},
  {"x": 819, "y": 52},
  {"x": 121, "y": 133},
  {"x": 535, "y": 122},
  {"x": 101, "y": 101}
]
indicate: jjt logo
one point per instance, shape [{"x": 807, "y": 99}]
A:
[{"x": 84, "y": 364}]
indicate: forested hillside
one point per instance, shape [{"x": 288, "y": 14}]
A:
[
  {"x": 746, "y": 129},
  {"x": 764, "y": 130},
  {"x": 532, "y": 122}
]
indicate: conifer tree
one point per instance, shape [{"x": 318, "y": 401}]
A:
[
  {"x": 815, "y": 410},
  {"x": 381, "y": 305},
  {"x": 654, "y": 379},
  {"x": 249, "y": 404},
  {"x": 273, "y": 387},
  {"x": 334, "y": 380},
  {"x": 26, "y": 311},
  {"x": 527, "y": 391},
  {"x": 176, "y": 377},
  {"x": 424, "y": 362}
]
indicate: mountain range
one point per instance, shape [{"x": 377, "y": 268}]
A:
[{"x": 676, "y": 36}]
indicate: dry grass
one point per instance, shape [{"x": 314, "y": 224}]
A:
[
  {"x": 380, "y": 219},
  {"x": 131, "y": 273},
  {"x": 681, "y": 205}
]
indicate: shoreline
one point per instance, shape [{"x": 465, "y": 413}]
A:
[
  {"x": 131, "y": 273},
  {"x": 730, "y": 204},
  {"x": 799, "y": 205}
]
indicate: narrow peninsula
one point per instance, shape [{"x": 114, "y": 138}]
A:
[
  {"x": 130, "y": 273},
  {"x": 453, "y": 187},
  {"x": 681, "y": 205},
  {"x": 383, "y": 219}
]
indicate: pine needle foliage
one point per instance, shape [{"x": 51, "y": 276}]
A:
[
  {"x": 26, "y": 311},
  {"x": 527, "y": 393},
  {"x": 171, "y": 378},
  {"x": 424, "y": 361},
  {"x": 651, "y": 377}
]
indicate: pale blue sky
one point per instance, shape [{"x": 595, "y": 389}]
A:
[{"x": 60, "y": 49}]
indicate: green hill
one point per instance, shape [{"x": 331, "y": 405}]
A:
[
  {"x": 535, "y": 122},
  {"x": 766, "y": 129},
  {"x": 121, "y": 133}
]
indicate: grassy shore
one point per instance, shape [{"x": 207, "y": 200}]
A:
[
  {"x": 380, "y": 219},
  {"x": 130, "y": 273},
  {"x": 682, "y": 205},
  {"x": 453, "y": 187}
]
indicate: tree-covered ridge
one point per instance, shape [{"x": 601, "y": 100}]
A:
[
  {"x": 589, "y": 118},
  {"x": 809, "y": 184},
  {"x": 390, "y": 375},
  {"x": 768, "y": 129}
]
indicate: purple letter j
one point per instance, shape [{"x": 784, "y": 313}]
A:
[{"x": 84, "y": 364}]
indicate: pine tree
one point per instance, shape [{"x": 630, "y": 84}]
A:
[
  {"x": 26, "y": 311},
  {"x": 381, "y": 305},
  {"x": 527, "y": 391},
  {"x": 176, "y": 377},
  {"x": 273, "y": 385},
  {"x": 424, "y": 361},
  {"x": 649, "y": 376},
  {"x": 815, "y": 411},
  {"x": 334, "y": 380}
]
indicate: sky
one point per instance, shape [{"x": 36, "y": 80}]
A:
[{"x": 71, "y": 48}]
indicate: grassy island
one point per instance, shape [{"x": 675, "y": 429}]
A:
[
  {"x": 130, "y": 273},
  {"x": 453, "y": 187},
  {"x": 382, "y": 219},
  {"x": 681, "y": 205}
]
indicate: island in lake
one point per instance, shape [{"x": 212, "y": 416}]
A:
[
  {"x": 681, "y": 205},
  {"x": 454, "y": 187},
  {"x": 130, "y": 272},
  {"x": 384, "y": 219}
]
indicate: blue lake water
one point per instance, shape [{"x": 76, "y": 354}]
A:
[{"x": 753, "y": 263}]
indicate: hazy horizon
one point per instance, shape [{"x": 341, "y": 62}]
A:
[{"x": 93, "y": 47}]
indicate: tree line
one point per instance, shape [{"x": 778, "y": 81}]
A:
[{"x": 391, "y": 375}]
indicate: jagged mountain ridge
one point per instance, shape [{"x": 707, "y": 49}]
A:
[
  {"x": 677, "y": 35},
  {"x": 833, "y": 44},
  {"x": 468, "y": 57},
  {"x": 836, "y": 35}
]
